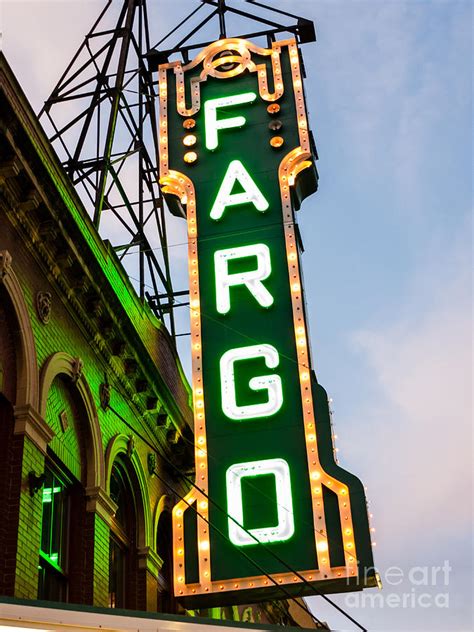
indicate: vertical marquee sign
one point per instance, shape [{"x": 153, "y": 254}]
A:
[{"x": 271, "y": 513}]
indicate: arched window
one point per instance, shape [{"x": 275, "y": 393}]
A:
[
  {"x": 65, "y": 568},
  {"x": 166, "y": 600},
  {"x": 54, "y": 548},
  {"x": 122, "y": 548}
]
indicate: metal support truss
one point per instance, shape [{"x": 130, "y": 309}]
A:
[
  {"x": 102, "y": 119},
  {"x": 223, "y": 11}
]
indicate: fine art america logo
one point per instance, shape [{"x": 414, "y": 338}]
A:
[{"x": 417, "y": 587}]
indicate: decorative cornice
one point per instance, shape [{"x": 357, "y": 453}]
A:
[
  {"x": 150, "y": 561},
  {"x": 30, "y": 423},
  {"x": 99, "y": 502},
  {"x": 5, "y": 263}
]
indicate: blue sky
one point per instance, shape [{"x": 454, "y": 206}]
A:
[{"x": 387, "y": 268}]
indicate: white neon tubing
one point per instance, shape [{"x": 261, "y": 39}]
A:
[
  {"x": 212, "y": 124},
  {"x": 252, "y": 279},
  {"x": 270, "y": 383},
  {"x": 250, "y": 194},
  {"x": 284, "y": 501}
]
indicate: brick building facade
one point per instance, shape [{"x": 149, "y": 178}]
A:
[{"x": 95, "y": 411}]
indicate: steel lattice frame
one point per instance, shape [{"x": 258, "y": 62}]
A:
[{"x": 102, "y": 119}]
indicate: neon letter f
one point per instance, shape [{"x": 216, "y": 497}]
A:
[{"x": 213, "y": 124}]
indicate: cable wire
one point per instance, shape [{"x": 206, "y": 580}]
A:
[{"x": 193, "y": 484}]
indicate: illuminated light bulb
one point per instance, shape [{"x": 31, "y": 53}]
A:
[
  {"x": 203, "y": 504},
  {"x": 179, "y": 512},
  {"x": 276, "y": 141},
  {"x": 348, "y": 531},
  {"x": 236, "y": 585},
  {"x": 300, "y": 330},
  {"x": 273, "y": 108},
  {"x": 350, "y": 545},
  {"x": 201, "y": 440},
  {"x": 195, "y": 303},
  {"x": 372, "y": 529},
  {"x": 310, "y": 577},
  {"x": 189, "y": 140},
  {"x": 180, "y": 552},
  {"x": 292, "y": 256},
  {"x": 221, "y": 587},
  {"x": 206, "y": 574},
  {"x": 305, "y": 376},
  {"x": 194, "y": 590},
  {"x": 181, "y": 579},
  {"x": 296, "y": 287},
  {"x": 374, "y": 543},
  {"x": 316, "y": 490},
  {"x": 322, "y": 546},
  {"x": 190, "y": 157},
  {"x": 200, "y": 404},
  {"x": 189, "y": 123},
  {"x": 204, "y": 546},
  {"x": 295, "y": 579},
  {"x": 315, "y": 476},
  {"x": 301, "y": 342},
  {"x": 343, "y": 491},
  {"x": 297, "y": 83}
]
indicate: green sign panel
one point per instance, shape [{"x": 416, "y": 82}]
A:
[{"x": 271, "y": 513}]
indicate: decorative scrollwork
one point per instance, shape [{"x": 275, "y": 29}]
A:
[{"x": 43, "y": 306}]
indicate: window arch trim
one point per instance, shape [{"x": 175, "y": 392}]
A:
[
  {"x": 61, "y": 363},
  {"x": 119, "y": 445}
]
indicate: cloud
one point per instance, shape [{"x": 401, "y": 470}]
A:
[{"x": 421, "y": 415}]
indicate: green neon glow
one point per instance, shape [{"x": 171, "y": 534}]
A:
[
  {"x": 270, "y": 383},
  {"x": 213, "y": 124},
  {"x": 252, "y": 279},
  {"x": 236, "y": 172},
  {"x": 285, "y": 528},
  {"x": 48, "y": 493}
]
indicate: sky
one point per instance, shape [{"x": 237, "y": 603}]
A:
[{"x": 387, "y": 268}]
